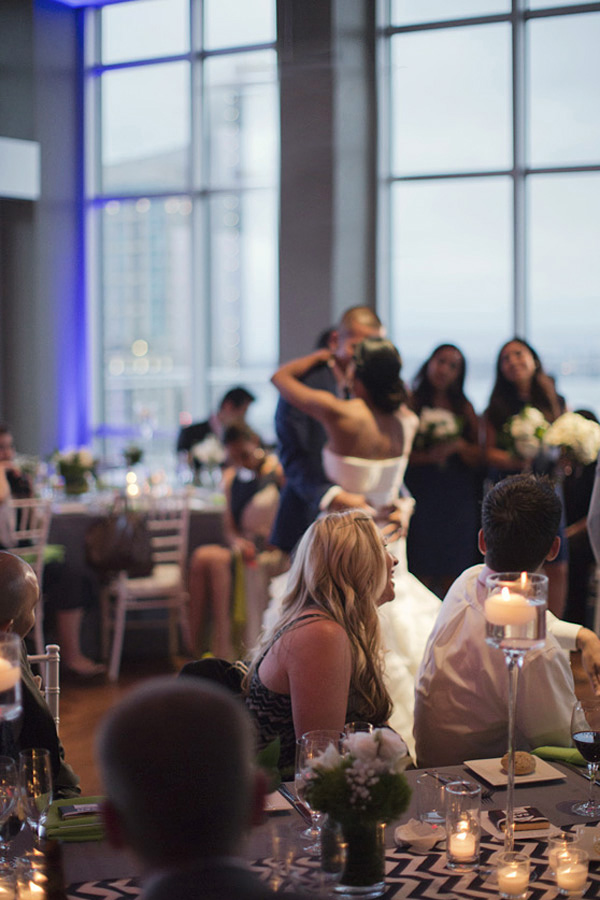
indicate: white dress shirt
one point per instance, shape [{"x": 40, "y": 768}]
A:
[{"x": 461, "y": 698}]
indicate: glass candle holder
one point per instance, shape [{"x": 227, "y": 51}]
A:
[
  {"x": 431, "y": 799},
  {"x": 463, "y": 825},
  {"x": 513, "y": 875},
  {"x": 558, "y": 846},
  {"x": 572, "y": 872}
]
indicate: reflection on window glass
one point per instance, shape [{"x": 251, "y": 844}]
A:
[
  {"x": 145, "y": 29},
  {"x": 451, "y": 273},
  {"x": 244, "y": 279},
  {"x": 242, "y": 118},
  {"x": 564, "y": 82},
  {"x": 146, "y": 285},
  {"x": 238, "y": 23},
  {"x": 409, "y": 12},
  {"x": 145, "y": 127},
  {"x": 564, "y": 275},
  {"x": 452, "y": 100}
]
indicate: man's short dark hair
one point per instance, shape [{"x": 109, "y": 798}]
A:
[
  {"x": 238, "y": 397},
  {"x": 520, "y": 519}
]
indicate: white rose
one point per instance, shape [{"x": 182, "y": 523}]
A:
[
  {"x": 328, "y": 759},
  {"x": 392, "y": 749},
  {"x": 362, "y": 745}
]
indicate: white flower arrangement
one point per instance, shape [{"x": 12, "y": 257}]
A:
[
  {"x": 365, "y": 781},
  {"x": 525, "y": 431},
  {"x": 80, "y": 457},
  {"x": 209, "y": 452},
  {"x": 580, "y": 437},
  {"x": 436, "y": 426}
]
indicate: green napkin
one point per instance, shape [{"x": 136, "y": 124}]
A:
[
  {"x": 87, "y": 827},
  {"x": 561, "y": 754},
  {"x": 52, "y": 553}
]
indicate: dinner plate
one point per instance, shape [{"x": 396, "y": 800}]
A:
[{"x": 491, "y": 771}]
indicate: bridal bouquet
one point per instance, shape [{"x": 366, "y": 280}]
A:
[
  {"x": 577, "y": 436},
  {"x": 364, "y": 783},
  {"x": 436, "y": 426},
  {"x": 524, "y": 432},
  {"x": 208, "y": 452}
]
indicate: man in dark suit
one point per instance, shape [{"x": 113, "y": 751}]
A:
[
  {"x": 181, "y": 788},
  {"x": 232, "y": 409},
  {"x": 307, "y": 491}
]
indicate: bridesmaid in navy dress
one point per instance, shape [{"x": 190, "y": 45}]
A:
[{"x": 444, "y": 476}]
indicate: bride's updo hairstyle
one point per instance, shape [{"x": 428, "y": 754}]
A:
[
  {"x": 377, "y": 366},
  {"x": 340, "y": 569}
]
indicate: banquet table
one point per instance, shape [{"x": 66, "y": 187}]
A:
[{"x": 95, "y": 870}]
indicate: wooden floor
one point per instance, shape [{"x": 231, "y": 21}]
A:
[{"x": 83, "y": 706}]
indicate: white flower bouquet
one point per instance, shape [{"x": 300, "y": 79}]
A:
[
  {"x": 74, "y": 466},
  {"x": 437, "y": 426},
  {"x": 577, "y": 436},
  {"x": 363, "y": 783},
  {"x": 524, "y": 432},
  {"x": 209, "y": 452}
]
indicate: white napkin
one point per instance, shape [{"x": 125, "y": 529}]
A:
[{"x": 421, "y": 836}]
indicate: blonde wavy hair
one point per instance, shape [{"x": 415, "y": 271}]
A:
[{"x": 340, "y": 570}]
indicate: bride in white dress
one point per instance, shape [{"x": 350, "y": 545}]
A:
[{"x": 369, "y": 440}]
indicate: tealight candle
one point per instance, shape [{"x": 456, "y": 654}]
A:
[
  {"x": 506, "y": 608},
  {"x": 513, "y": 874},
  {"x": 572, "y": 872},
  {"x": 462, "y": 845}
]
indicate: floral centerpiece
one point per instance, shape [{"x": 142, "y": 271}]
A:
[
  {"x": 437, "y": 426},
  {"x": 363, "y": 788},
  {"x": 523, "y": 433},
  {"x": 132, "y": 454},
  {"x": 75, "y": 466},
  {"x": 577, "y": 436}
]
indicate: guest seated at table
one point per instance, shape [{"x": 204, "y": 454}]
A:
[
  {"x": 232, "y": 409},
  {"x": 67, "y": 592},
  {"x": 19, "y": 594},
  {"x": 251, "y": 484},
  {"x": 181, "y": 795},
  {"x": 461, "y": 708},
  {"x": 321, "y": 664}
]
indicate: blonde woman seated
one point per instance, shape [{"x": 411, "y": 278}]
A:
[
  {"x": 321, "y": 665},
  {"x": 251, "y": 484}
]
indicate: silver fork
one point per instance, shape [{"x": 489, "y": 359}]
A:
[{"x": 487, "y": 795}]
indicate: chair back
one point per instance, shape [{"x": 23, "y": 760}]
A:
[
  {"x": 168, "y": 524},
  {"x": 30, "y": 534},
  {"x": 49, "y": 663}
]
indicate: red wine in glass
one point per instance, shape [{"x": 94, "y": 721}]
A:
[
  {"x": 588, "y": 744},
  {"x": 585, "y": 731}
]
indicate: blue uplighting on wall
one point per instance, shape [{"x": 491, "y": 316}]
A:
[{"x": 79, "y": 4}]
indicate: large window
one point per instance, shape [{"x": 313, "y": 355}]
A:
[
  {"x": 182, "y": 200},
  {"x": 490, "y": 165}
]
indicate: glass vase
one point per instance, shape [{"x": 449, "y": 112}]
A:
[{"x": 364, "y": 871}]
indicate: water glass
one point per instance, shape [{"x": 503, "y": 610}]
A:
[
  {"x": 431, "y": 799},
  {"x": 35, "y": 787},
  {"x": 10, "y": 676},
  {"x": 308, "y": 747},
  {"x": 8, "y": 798},
  {"x": 513, "y": 875},
  {"x": 463, "y": 825}
]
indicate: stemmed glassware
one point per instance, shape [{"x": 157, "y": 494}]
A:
[
  {"x": 308, "y": 747},
  {"x": 515, "y": 613},
  {"x": 585, "y": 730},
  {"x": 8, "y": 798},
  {"x": 35, "y": 788}
]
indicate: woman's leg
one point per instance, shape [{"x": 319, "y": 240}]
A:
[{"x": 209, "y": 589}]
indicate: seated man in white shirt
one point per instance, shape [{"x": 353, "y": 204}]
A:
[{"x": 461, "y": 698}]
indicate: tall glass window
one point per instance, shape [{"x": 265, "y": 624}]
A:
[
  {"x": 490, "y": 184},
  {"x": 182, "y": 198}
]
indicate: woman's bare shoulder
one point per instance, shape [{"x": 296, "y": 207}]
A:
[{"x": 321, "y": 632}]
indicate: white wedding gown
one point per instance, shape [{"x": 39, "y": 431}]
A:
[{"x": 407, "y": 620}]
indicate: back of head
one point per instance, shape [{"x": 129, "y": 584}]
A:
[
  {"x": 175, "y": 757},
  {"x": 18, "y": 588},
  {"x": 520, "y": 519},
  {"x": 238, "y": 398},
  {"x": 362, "y": 316},
  {"x": 377, "y": 366}
]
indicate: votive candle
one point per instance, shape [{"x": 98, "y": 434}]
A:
[
  {"x": 572, "y": 871},
  {"x": 513, "y": 874}
]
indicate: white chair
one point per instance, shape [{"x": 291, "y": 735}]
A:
[
  {"x": 49, "y": 663},
  {"x": 167, "y": 520},
  {"x": 30, "y": 531}
]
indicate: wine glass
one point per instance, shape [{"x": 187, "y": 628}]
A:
[
  {"x": 585, "y": 730},
  {"x": 8, "y": 799},
  {"x": 308, "y": 747},
  {"x": 35, "y": 787}
]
